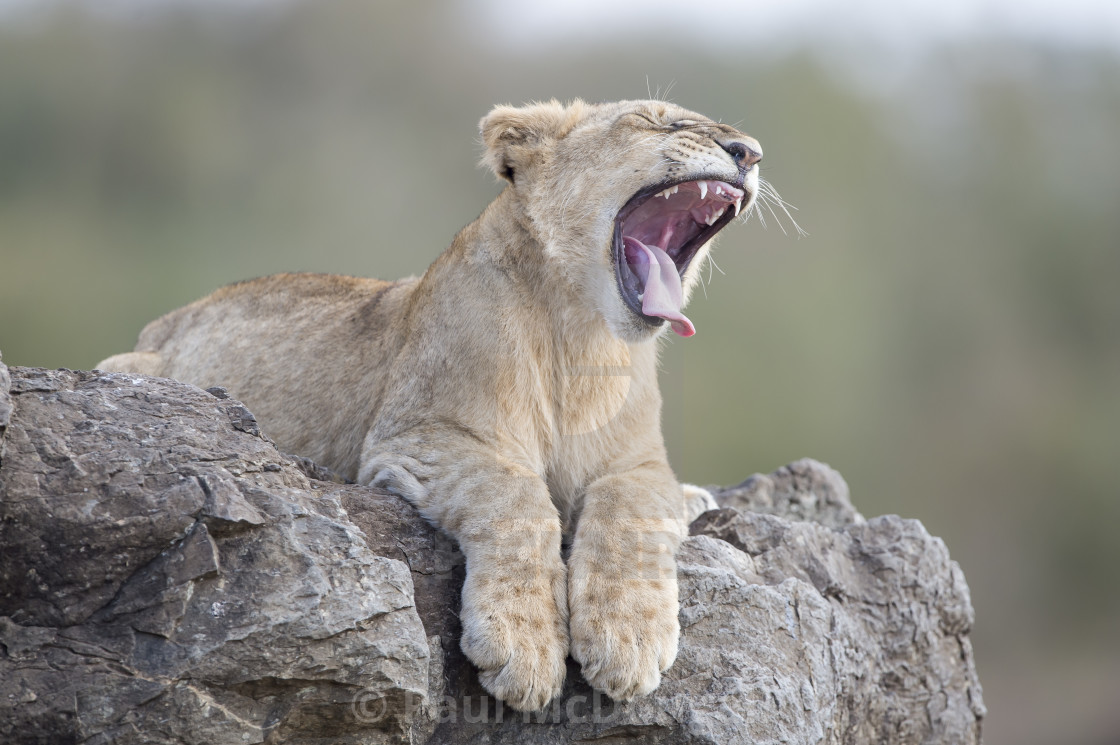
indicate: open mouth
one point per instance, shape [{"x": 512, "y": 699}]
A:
[{"x": 656, "y": 236}]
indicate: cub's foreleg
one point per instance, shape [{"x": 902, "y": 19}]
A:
[
  {"x": 515, "y": 607},
  {"x": 622, "y": 580}
]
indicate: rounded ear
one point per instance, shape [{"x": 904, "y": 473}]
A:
[{"x": 512, "y": 135}]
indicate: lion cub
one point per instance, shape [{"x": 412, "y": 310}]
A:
[{"x": 510, "y": 393}]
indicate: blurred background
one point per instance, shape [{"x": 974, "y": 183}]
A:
[{"x": 947, "y": 336}]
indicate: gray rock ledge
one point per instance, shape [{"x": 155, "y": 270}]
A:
[{"x": 168, "y": 576}]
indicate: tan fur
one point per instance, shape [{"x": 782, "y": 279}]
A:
[{"x": 508, "y": 393}]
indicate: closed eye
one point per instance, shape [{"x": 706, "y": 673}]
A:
[
  {"x": 678, "y": 124},
  {"x": 645, "y": 118}
]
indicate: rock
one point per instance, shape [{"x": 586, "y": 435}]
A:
[
  {"x": 5, "y": 396},
  {"x": 874, "y": 645},
  {"x": 168, "y": 576},
  {"x": 805, "y": 490}
]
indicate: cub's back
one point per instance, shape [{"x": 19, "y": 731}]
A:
[{"x": 302, "y": 351}]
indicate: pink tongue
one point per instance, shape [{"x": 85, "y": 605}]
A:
[{"x": 663, "y": 295}]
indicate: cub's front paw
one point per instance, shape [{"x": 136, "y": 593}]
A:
[
  {"x": 624, "y": 632},
  {"x": 515, "y": 632}
]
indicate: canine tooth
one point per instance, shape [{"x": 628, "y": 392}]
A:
[
  {"x": 703, "y": 189},
  {"x": 738, "y": 205}
]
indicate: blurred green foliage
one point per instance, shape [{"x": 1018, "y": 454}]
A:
[{"x": 948, "y": 336}]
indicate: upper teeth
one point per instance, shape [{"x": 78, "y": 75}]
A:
[{"x": 717, "y": 188}]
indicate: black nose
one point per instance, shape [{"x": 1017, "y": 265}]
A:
[{"x": 744, "y": 155}]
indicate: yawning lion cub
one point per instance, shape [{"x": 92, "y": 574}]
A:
[{"x": 510, "y": 393}]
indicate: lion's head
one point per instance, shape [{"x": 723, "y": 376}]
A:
[{"x": 625, "y": 198}]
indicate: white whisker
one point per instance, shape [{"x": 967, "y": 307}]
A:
[
  {"x": 770, "y": 209},
  {"x": 704, "y": 282},
  {"x": 756, "y": 211},
  {"x": 769, "y": 197}
]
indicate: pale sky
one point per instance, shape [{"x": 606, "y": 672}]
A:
[
  {"x": 1095, "y": 22},
  {"x": 525, "y": 23}
]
